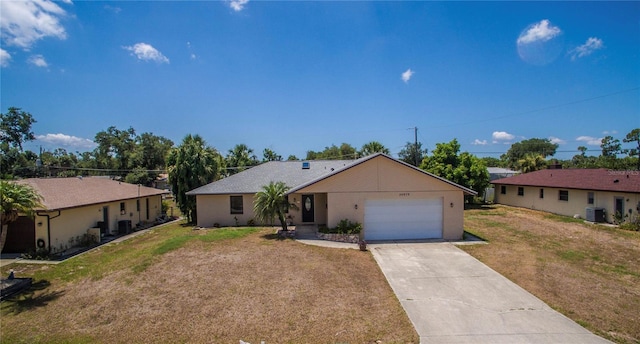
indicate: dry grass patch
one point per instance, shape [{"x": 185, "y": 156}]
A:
[
  {"x": 192, "y": 287},
  {"x": 589, "y": 273}
]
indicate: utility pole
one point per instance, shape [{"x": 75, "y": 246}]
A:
[{"x": 415, "y": 144}]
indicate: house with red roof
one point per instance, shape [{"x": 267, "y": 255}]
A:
[
  {"x": 593, "y": 194},
  {"x": 77, "y": 209}
]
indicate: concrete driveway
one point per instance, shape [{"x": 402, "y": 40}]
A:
[{"x": 452, "y": 297}]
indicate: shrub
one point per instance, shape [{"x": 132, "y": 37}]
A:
[
  {"x": 344, "y": 227},
  {"x": 631, "y": 225}
]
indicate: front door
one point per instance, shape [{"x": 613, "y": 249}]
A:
[
  {"x": 104, "y": 230},
  {"x": 619, "y": 206},
  {"x": 307, "y": 208}
]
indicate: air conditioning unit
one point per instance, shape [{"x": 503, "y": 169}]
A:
[{"x": 596, "y": 214}]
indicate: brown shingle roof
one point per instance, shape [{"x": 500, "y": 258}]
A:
[
  {"x": 585, "y": 179},
  {"x": 61, "y": 193}
]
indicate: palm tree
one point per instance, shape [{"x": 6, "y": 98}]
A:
[
  {"x": 531, "y": 163},
  {"x": 271, "y": 202},
  {"x": 240, "y": 158},
  {"x": 15, "y": 200},
  {"x": 191, "y": 165},
  {"x": 373, "y": 147}
]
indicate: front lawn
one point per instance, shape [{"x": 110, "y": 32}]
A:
[
  {"x": 179, "y": 285},
  {"x": 590, "y": 273}
]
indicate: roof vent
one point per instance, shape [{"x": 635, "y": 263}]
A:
[{"x": 306, "y": 165}]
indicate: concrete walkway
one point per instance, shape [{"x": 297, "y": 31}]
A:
[{"x": 452, "y": 297}]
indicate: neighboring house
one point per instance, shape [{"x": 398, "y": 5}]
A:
[
  {"x": 496, "y": 173},
  {"x": 393, "y": 200},
  {"x": 594, "y": 194},
  {"x": 500, "y": 172},
  {"x": 75, "y": 207},
  {"x": 162, "y": 182}
]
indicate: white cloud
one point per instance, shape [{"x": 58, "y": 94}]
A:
[
  {"x": 38, "y": 61},
  {"x": 502, "y": 136},
  {"x": 557, "y": 140},
  {"x": 542, "y": 31},
  {"x": 592, "y": 44},
  {"x": 479, "y": 142},
  {"x": 591, "y": 141},
  {"x": 191, "y": 54},
  {"x": 66, "y": 140},
  {"x": 238, "y": 5},
  {"x": 406, "y": 76},
  {"x": 146, "y": 52},
  {"x": 113, "y": 9},
  {"x": 5, "y": 57},
  {"x": 22, "y": 23},
  {"x": 607, "y": 132}
]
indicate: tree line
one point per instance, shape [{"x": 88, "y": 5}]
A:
[{"x": 140, "y": 158}]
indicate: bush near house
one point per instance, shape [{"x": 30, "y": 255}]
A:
[{"x": 345, "y": 226}]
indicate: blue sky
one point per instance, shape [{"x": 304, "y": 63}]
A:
[{"x": 296, "y": 76}]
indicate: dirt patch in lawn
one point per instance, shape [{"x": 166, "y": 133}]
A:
[
  {"x": 255, "y": 288},
  {"x": 589, "y": 273}
]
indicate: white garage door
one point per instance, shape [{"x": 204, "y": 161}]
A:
[{"x": 397, "y": 219}]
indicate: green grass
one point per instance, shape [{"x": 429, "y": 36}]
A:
[
  {"x": 142, "y": 250},
  {"x": 562, "y": 218}
]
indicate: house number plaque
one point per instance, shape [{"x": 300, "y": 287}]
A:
[{"x": 404, "y": 194}]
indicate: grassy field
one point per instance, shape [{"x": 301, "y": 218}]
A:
[
  {"x": 179, "y": 285},
  {"x": 589, "y": 273}
]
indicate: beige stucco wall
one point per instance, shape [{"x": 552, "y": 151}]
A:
[
  {"x": 216, "y": 209},
  {"x": 335, "y": 198},
  {"x": 576, "y": 205},
  {"x": 381, "y": 178},
  {"x": 74, "y": 222}
]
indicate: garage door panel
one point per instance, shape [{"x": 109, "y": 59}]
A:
[{"x": 394, "y": 219}]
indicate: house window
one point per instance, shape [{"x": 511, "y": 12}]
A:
[
  {"x": 563, "y": 195},
  {"x": 503, "y": 189},
  {"x": 520, "y": 191},
  {"x": 590, "y": 198},
  {"x": 541, "y": 193},
  {"x": 236, "y": 205},
  {"x": 123, "y": 210},
  {"x": 137, "y": 205}
]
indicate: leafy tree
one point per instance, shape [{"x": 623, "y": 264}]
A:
[
  {"x": 190, "y": 165},
  {"x": 582, "y": 160},
  {"x": 472, "y": 173},
  {"x": 270, "y": 155},
  {"x": 148, "y": 158},
  {"x": 372, "y": 148},
  {"x": 292, "y": 158},
  {"x": 15, "y": 129},
  {"x": 464, "y": 169},
  {"x": 344, "y": 152},
  {"x": 634, "y": 136},
  {"x": 151, "y": 151},
  {"x": 413, "y": 153},
  {"x": 532, "y": 162},
  {"x": 240, "y": 158},
  {"x": 115, "y": 148},
  {"x": 140, "y": 175},
  {"x": 272, "y": 202},
  {"x": 611, "y": 147},
  {"x": 535, "y": 146},
  {"x": 15, "y": 200},
  {"x": 493, "y": 162}
]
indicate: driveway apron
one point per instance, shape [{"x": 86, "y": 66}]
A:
[{"x": 451, "y": 297}]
